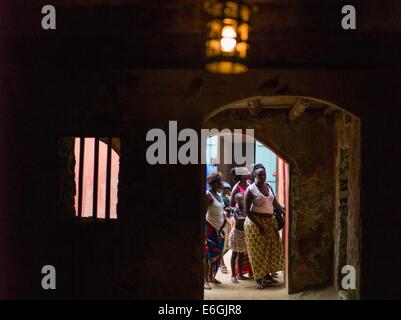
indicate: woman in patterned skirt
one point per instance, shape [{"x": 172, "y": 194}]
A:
[
  {"x": 225, "y": 196},
  {"x": 241, "y": 177},
  {"x": 263, "y": 242},
  {"x": 214, "y": 229},
  {"x": 237, "y": 239}
]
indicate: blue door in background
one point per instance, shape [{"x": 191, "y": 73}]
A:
[
  {"x": 212, "y": 149},
  {"x": 263, "y": 155},
  {"x": 268, "y": 158}
]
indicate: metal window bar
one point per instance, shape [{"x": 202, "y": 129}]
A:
[
  {"x": 80, "y": 175},
  {"x": 95, "y": 178},
  {"x": 108, "y": 179}
]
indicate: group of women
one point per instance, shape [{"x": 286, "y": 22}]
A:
[{"x": 242, "y": 220}]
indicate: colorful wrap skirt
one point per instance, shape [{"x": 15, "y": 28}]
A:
[
  {"x": 246, "y": 265},
  {"x": 214, "y": 245},
  {"x": 265, "y": 250}
]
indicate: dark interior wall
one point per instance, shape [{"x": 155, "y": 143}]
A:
[
  {"x": 159, "y": 231},
  {"x": 380, "y": 201}
]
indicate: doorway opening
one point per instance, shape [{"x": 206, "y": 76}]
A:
[
  {"x": 321, "y": 145},
  {"x": 277, "y": 177}
]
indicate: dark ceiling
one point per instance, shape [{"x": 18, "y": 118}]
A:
[{"x": 171, "y": 34}]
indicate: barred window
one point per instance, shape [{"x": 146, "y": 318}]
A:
[{"x": 97, "y": 164}]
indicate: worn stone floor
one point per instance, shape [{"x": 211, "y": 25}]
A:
[{"x": 245, "y": 290}]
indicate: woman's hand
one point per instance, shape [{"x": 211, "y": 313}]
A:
[
  {"x": 229, "y": 210},
  {"x": 231, "y": 221}
]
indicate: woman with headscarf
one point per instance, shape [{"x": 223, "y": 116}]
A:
[
  {"x": 225, "y": 196},
  {"x": 262, "y": 238},
  {"x": 214, "y": 229},
  {"x": 237, "y": 240},
  {"x": 241, "y": 177}
]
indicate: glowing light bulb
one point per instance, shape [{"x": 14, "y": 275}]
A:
[
  {"x": 228, "y": 44},
  {"x": 228, "y": 32}
]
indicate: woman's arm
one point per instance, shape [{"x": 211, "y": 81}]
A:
[
  {"x": 247, "y": 202},
  {"x": 209, "y": 199},
  {"x": 248, "y": 212},
  {"x": 232, "y": 196}
]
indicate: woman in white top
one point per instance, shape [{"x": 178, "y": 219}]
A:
[
  {"x": 262, "y": 239},
  {"x": 214, "y": 229}
]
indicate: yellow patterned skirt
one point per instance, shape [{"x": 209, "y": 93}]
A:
[{"x": 265, "y": 251}]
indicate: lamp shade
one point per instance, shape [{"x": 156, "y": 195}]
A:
[{"x": 227, "y": 36}]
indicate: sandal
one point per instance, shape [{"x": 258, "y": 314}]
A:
[
  {"x": 207, "y": 286},
  {"x": 259, "y": 285},
  {"x": 234, "y": 280},
  {"x": 269, "y": 279},
  {"x": 224, "y": 269},
  {"x": 241, "y": 277}
]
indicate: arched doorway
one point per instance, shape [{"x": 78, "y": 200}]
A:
[
  {"x": 321, "y": 143},
  {"x": 277, "y": 176}
]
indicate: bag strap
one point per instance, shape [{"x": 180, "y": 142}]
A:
[
  {"x": 281, "y": 208},
  {"x": 270, "y": 187}
]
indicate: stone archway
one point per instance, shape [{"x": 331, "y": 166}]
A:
[{"x": 321, "y": 143}]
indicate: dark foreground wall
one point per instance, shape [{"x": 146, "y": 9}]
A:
[{"x": 159, "y": 231}]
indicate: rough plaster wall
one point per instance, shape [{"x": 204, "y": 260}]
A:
[
  {"x": 341, "y": 182},
  {"x": 307, "y": 144},
  {"x": 354, "y": 243},
  {"x": 347, "y": 231}
]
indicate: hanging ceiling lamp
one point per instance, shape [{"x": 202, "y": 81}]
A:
[{"x": 227, "y": 36}]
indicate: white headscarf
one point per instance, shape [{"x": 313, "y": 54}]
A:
[{"x": 242, "y": 171}]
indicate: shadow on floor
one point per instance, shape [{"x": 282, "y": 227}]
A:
[{"x": 246, "y": 290}]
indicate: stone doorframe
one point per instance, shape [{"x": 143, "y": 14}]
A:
[{"x": 311, "y": 221}]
